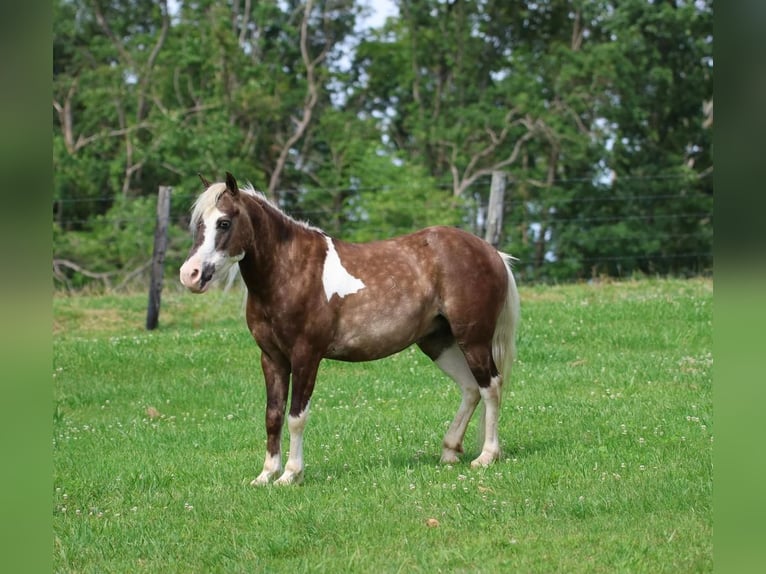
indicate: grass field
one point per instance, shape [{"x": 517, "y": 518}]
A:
[{"x": 606, "y": 430}]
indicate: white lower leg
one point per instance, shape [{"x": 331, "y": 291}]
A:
[
  {"x": 490, "y": 451},
  {"x": 272, "y": 466},
  {"x": 453, "y": 440},
  {"x": 294, "y": 468},
  {"x": 452, "y": 361}
]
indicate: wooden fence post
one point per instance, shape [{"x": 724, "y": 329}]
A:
[
  {"x": 495, "y": 209},
  {"x": 158, "y": 257}
]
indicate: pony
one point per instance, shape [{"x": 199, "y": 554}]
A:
[{"x": 310, "y": 296}]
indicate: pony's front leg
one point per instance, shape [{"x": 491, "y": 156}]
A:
[
  {"x": 277, "y": 377},
  {"x": 304, "y": 368},
  {"x": 294, "y": 468}
]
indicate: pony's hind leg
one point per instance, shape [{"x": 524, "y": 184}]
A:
[
  {"x": 479, "y": 359},
  {"x": 451, "y": 360},
  {"x": 490, "y": 450}
]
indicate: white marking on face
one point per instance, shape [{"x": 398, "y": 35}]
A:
[
  {"x": 207, "y": 250},
  {"x": 206, "y": 253},
  {"x": 335, "y": 278}
]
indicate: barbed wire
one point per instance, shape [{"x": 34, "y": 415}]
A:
[
  {"x": 548, "y": 220},
  {"x": 553, "y": 211},
  {"x": 442, "y": 186}
]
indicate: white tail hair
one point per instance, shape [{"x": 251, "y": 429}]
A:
[{"x": 504, "y": 338}]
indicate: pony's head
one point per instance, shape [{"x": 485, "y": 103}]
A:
[{"x": 222, "y": 232}]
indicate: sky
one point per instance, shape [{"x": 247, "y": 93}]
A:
[{"x": 381, "y": 9}]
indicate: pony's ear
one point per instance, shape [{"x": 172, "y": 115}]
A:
[
  {"x": 231, "y": 184},
  {"x": 204, "y": 181}
]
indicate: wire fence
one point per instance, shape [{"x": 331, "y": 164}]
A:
[{"x": 679, "y": 234}]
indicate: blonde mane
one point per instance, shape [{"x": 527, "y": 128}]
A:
[{"x": 209, "y": 198}]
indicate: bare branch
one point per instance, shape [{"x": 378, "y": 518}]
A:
[
  {"x": 705, "y": 172},
  {"x": 461, "y": 182},
  {"x": 143, "y": 95},
  {"x": 707, "y": 110},
  {"x": 245, "y": 22},
  {"x": 65, "y": 117},
  {"x": 161, "y": 39},
  {"x": 141, "y": 108},
  {"x": 59, "y": 265},
  {"x": 471, "y": 173},
  {"x": 108, "y": 31},
  {"x": 129, "y": 277},
  {"x": 578, "y": 32},
  {"x": 59, "y": 274},
  {"x": 309, "y": 102},
  {"x": 580, "y": 125},
  {"x": 415, "y": 68},
  {"x": 170, "y": 167},
  {"x": 83, "y": 141}
]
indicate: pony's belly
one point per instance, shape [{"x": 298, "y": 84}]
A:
[
  {"x": 369, "y": 345},
  {"x": 379, "y": 337},
  {"x": 363, "y": 352}
]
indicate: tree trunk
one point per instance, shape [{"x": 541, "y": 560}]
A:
[
  {"x": 494, "y": 225},
  {"x": 158, "y": 257}
]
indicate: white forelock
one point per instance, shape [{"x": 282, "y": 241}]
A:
[
  {"x": 209, "y": 198},
  {"x": 205, "y": 202}
]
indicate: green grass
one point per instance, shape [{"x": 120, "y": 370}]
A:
[{"x": 606, "y": 429}]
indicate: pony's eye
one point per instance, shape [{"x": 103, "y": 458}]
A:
[{"x": 223, "y": 224}]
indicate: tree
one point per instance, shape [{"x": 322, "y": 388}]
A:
[
  {"x": 598, "y": 112},
  {"x": 444, "y": 101},
  {"x": 653, "y": 213}
]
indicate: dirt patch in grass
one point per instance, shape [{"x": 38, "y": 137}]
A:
[{"x": 95, "y": 321}]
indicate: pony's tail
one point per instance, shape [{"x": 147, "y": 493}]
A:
[{"x": 504, "y": 338}]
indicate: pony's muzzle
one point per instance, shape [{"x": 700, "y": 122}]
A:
[{"x": 196, "y": 278}]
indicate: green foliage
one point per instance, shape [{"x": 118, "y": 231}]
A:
[
  {"x": 597, "y": 112},
  {"x": 607, "y": 434},
  {"x": 408, "y": 200},
  {"x": 655, "y": 215},
  {"x": 117, "y": 243}
]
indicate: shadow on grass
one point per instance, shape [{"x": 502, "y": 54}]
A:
[{"x": 401, "y": 461}]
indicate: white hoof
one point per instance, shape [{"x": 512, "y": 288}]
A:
[
  {"x": 264, "y": 478},
  {"x": 289, "y": 477},
  {"x": 485, "y": 459}
]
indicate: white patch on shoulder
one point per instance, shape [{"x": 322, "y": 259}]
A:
[{"x": 335, "y": 278}]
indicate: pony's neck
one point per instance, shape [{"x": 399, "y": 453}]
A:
[
  {"x": 279, "y": 241},
  {"x": 284, "y": 227}
]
